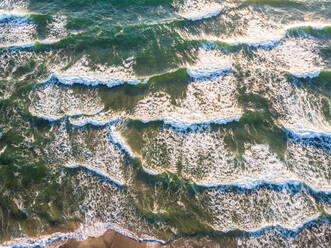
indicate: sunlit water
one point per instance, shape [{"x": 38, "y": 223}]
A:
[{"x": 195, "y": 122}]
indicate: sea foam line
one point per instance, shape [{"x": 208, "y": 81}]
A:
[
  {"x": 269, "y": 43},
  {"x": 206, "y": 16},
  {"x": 317, "y": 140},
  {"x": 78, "y": 235},
  {"x": 94, "y": 171},
  {"x": 286, "y": 232},
  {"x": 28, "y": 44},
  {"x": 14, "y": 20},
  {"x": 95, "y": 82},
  {"x": 116, "y": 139},
  {"x": 201, "y": 75},
  {"x": 307, "y": 134},
  {"x": 87, "y": 122},
  {"x": 307, "y": 74},
  {"x": 291, "y": 186},
  {"x": 167, "y": 121},
  {"x": 187, "y": 125},
  {"x": 69, "y": 80}
]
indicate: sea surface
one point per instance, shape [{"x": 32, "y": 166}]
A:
[{"x": 194, "y": 122}]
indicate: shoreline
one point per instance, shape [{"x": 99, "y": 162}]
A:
[
  {"x": 98, "y": 235},
  {"x": 109, "y": 239}
]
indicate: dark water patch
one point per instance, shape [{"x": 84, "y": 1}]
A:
[
  {"x": 42, "y": 21},
  {"x": 132, "y": 133},
  {"x": 11, "y": 138},
  {"x": 186, "y": 217},
  {"x": 255, "y": 127},
  {"x": 252, "y": 100},
  {"x": 174, "y": 83},
  {"x": 323, "y": 82},
  {"x": 30, "y": 70},
  {"x": 24, "y": 172},
  {"x": 323, "y": 33},
  {"x": 325, "y": 53},
  {"x": 167, "y": 181},
  {"x": 13, "y": 105},
  {"x": 54, "y": 200},
  {"x": 227, "y": 47},
  {"x": 156, "y": 48},
  {"x": 122, "y": 97},
  {"x": 25, "y": 69},
  {"x": 326, "y": 109},
  {"x": 9, "y": 216},
  {"x": 127, "y": 96}
]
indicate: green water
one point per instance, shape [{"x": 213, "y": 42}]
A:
[{"x": 194, "y": 122}]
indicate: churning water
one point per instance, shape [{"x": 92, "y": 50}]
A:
[{"x": 189, "y": 121}]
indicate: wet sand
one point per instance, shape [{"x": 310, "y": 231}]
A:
[{"x": 110, "y": 239}]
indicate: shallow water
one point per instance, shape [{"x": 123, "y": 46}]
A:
[{"x": 194, "y": 122}]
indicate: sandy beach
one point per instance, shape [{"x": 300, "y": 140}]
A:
[{"x": 110, "y": 239}]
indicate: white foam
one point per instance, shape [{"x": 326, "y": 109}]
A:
[
  {"x": 258, "y": 209},
  {"x": 110, "y": 76},
  {"x": 197, "y": 10},
  {"x": 14, "y": 5},
  {"x": 210, "y": 64},
  {"x": 254, "y": 29},
  {"x": 53, "y": 102},
  {"x": 206, "y": 161},
  {"x": 301, "y": 110},
  {"x": 82, "y": 121},
  {"x": 150, "y": 172},
  {"x": 205, "y": 101},
  {"x": 251, "y": 29},
  {"x": 259, "y": 165},
  {"x": 211, "y": 99},
  {"x": 15, "y": 29},
  {"x": 3, "y": 149},
  {"x": 19, "y": 31},
  {"x": 308, "y": 161},
  {"x": 299, "y": 57},
  {"x": 91, "y": 149}
]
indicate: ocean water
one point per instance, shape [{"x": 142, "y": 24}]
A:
[{"x": 191, "y": 122}]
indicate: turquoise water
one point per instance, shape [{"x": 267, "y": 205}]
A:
[{"x": 190, "y": 122}]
